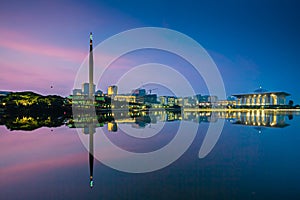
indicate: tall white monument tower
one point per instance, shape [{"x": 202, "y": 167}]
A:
[{"x": 91, "y": 68}]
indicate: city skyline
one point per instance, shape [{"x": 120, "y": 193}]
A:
[
  {"x": 253, "y": 44},
  {"x": 160, "y": 99}
]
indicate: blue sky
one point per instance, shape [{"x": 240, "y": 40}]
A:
[{"x": 254, "y": 44}]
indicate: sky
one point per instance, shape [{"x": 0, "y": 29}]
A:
[{"x": 253, "y": 43}]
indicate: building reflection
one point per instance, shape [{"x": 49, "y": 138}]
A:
[
  {"x": 112, "y": 126},
  {"x": 251, "y": 117},
  {"x": 261, "y": 118}
]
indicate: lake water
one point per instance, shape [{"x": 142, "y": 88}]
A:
[{"x": 251, "y": 160}]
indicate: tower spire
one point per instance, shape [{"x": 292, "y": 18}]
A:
[{"x": 91, "y": 68}]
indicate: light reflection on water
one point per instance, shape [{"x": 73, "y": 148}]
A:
[{"x": 249, "y": 161}]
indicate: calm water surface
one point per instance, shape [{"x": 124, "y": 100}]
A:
[{"x": 247, "y": 163}]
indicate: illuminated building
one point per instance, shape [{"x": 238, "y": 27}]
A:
[
  {"x": 179, "y": 101},
  {"x": 189, "y": 101},
  {"x": 225, "y": 103},
  {"x": 168, "y": 100},
  {"x": 162, "y": 100},
  {"x": 112, "y": 90},
  {"x": 261, "y": 98},
  {"x": 171, "y": 101},
  {"x": 125, "y": 98}
]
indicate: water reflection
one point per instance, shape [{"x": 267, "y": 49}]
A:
[
  {"x": 91, "y": 131},
  {"x": 262, "y": 118},
  {"x": 255, "y": 118}
]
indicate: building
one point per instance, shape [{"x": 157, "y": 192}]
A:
[
  {"x": 190, "y": 101},
  {"x": 179, "y": 101},
  {"x": 112, "y": 90},
  {"x": 150, "y": 98},
  {"x": 171, "y": 101},
  {"x": 142, "y": 97},
  {"x": 206, "y": 98},
  {"x": 225, "y": 103},
  {"x": 163, "y": 100},
  {"x": 139, "y": 92},
  {"x": 86, "y": 88},
  {"x": 125, "y": 98},
  {"x": 261, "y": 98},
  {"x": 168, "y": 101},
  {"x": 205, "y": 101},
  {"x": 77, "y": 92}
]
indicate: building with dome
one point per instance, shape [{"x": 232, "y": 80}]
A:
[{"x": 262, "y": 97}]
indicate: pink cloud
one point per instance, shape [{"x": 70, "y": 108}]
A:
[
  {"x": 26, "y": 44},
  {"x": 27, "y": 64},
  {"x": 17, "y": 76}
]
